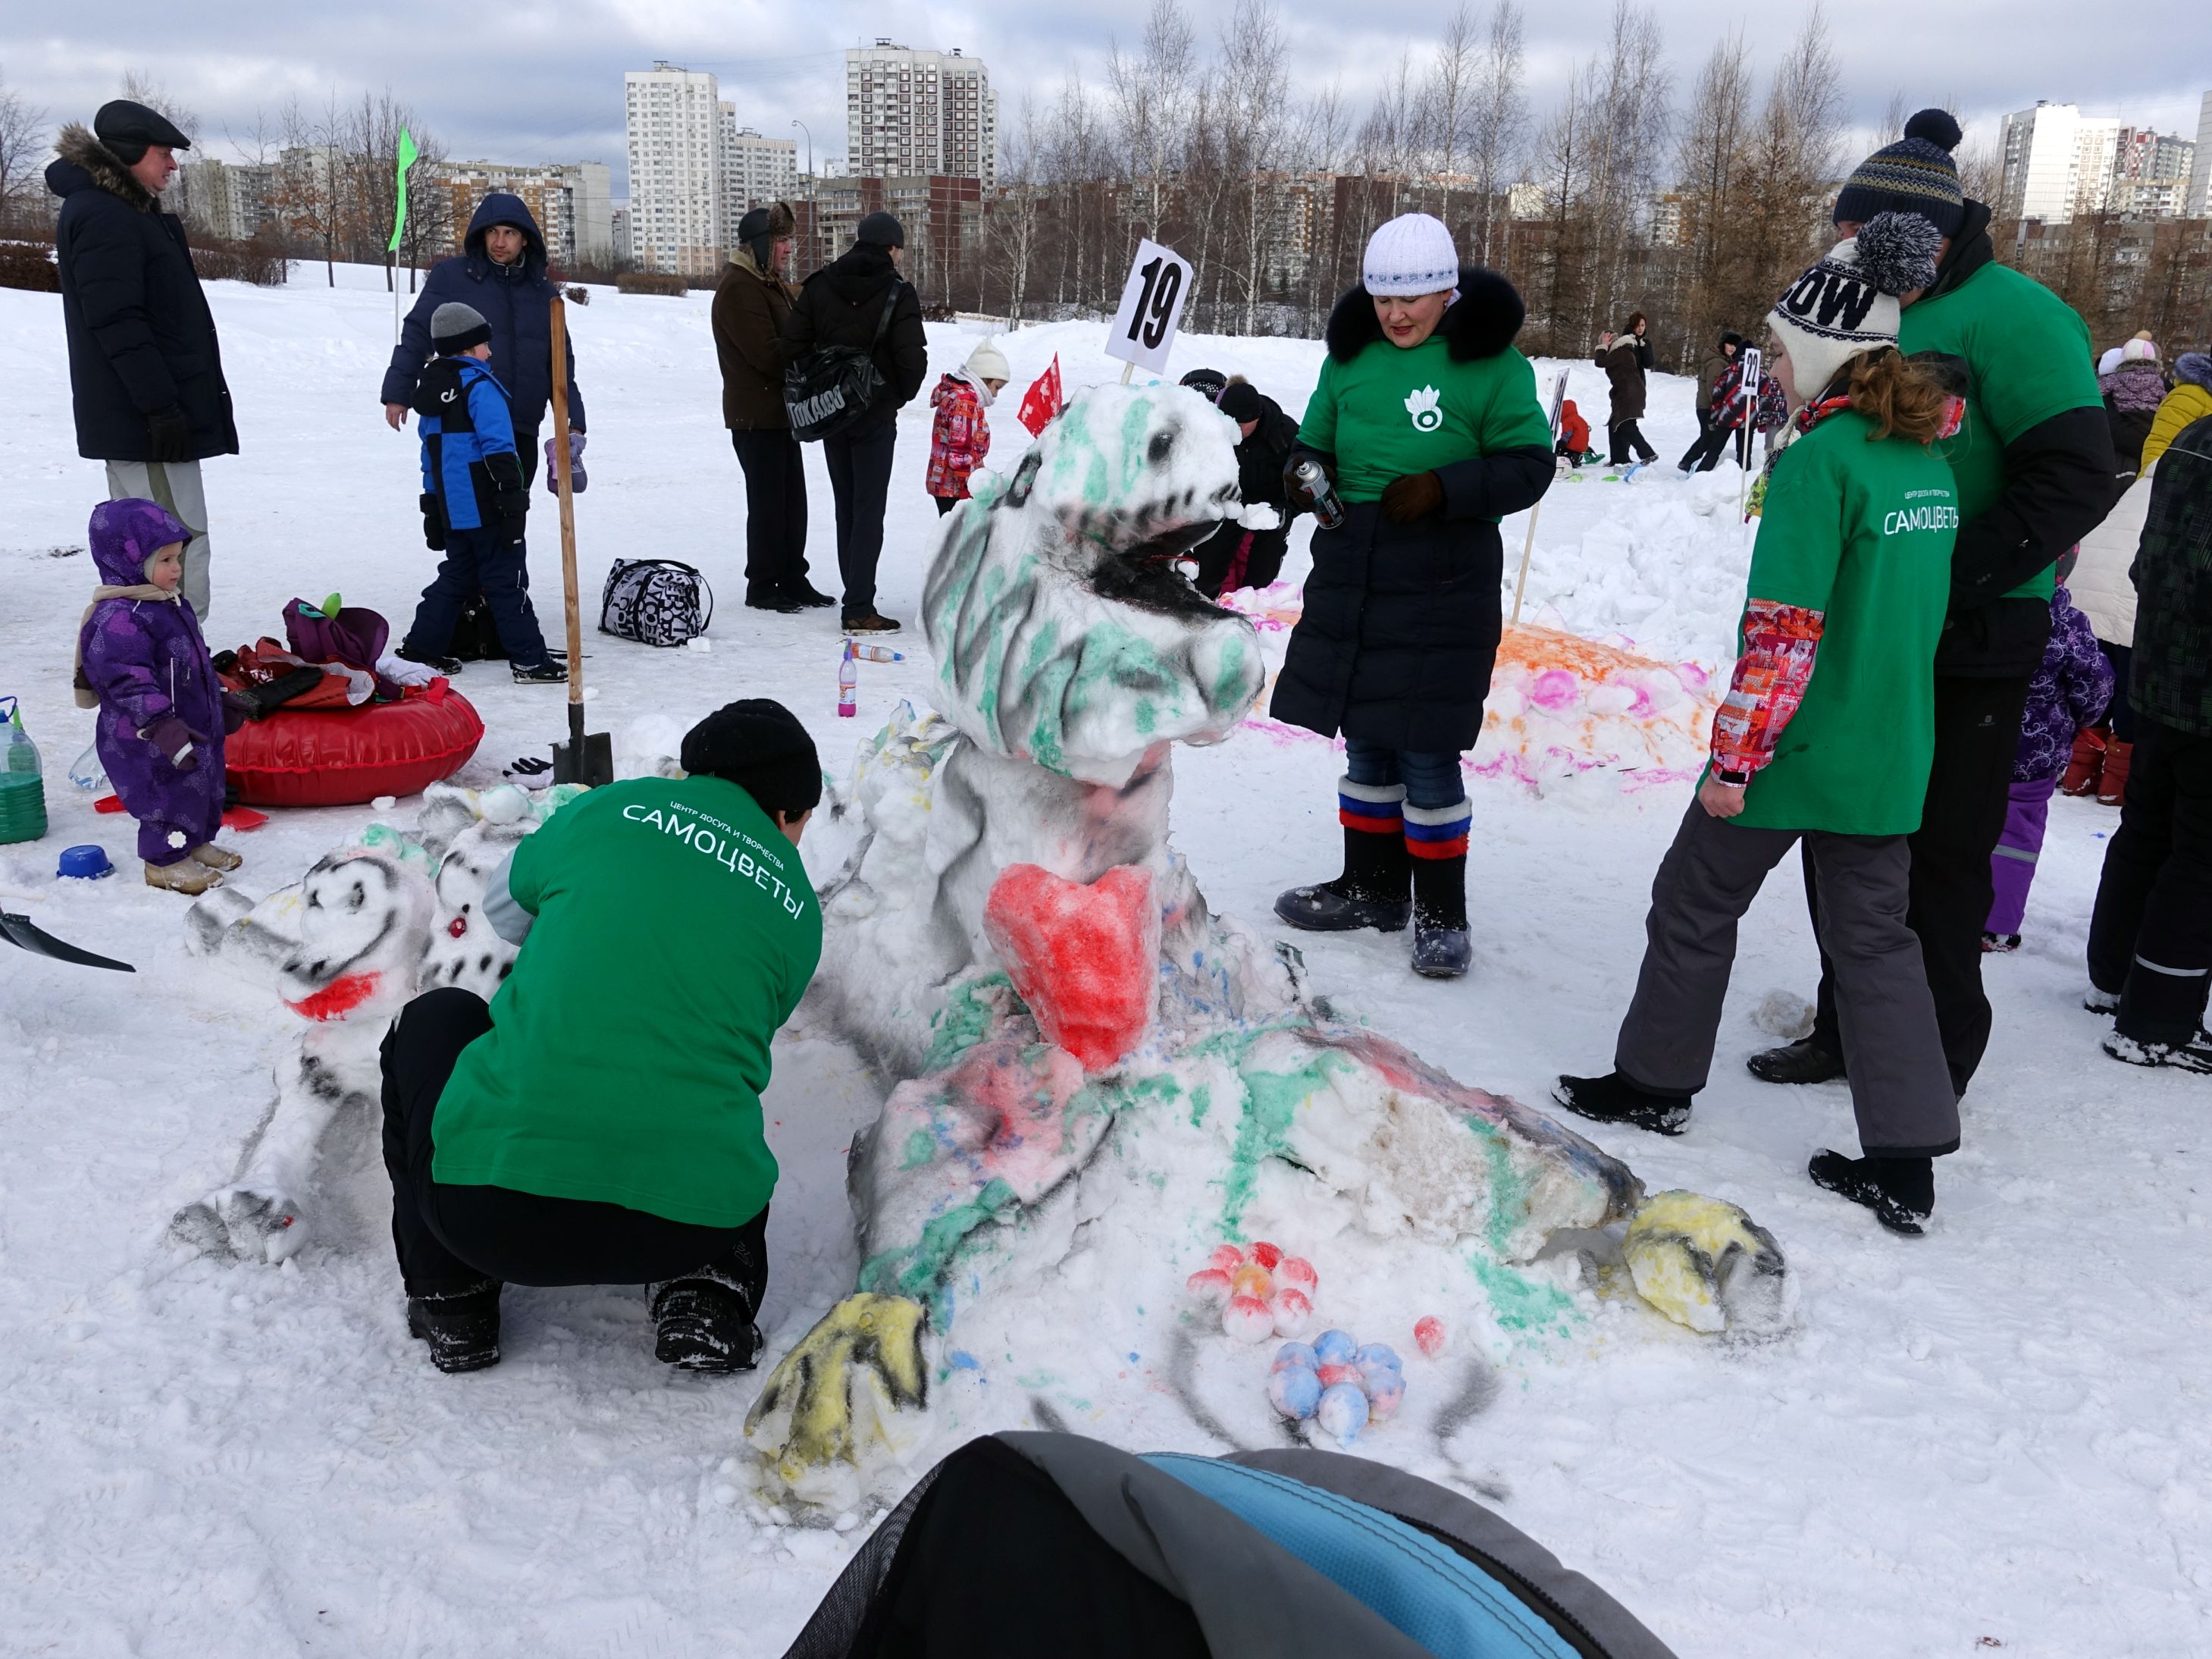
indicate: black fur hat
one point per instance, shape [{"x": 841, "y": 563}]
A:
[{"x": 1481, "y": 323}]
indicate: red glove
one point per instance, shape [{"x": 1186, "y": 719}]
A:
[{"x": 1416, "y": 495}]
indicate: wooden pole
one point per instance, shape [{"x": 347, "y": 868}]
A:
[
  {"x": 1527, "y": 547},
  {"x": 569, "y": 598}
]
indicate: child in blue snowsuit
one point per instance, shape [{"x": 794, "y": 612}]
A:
[{"x": 475, "y": 503}]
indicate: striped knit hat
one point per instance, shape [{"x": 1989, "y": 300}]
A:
[{"x": 1916, "y": 174}]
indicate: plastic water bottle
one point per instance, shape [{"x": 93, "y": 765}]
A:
[
  {"x": 1313, "y": 478},
  {"x": 848, "y": 684},
  {"x": 23, "y": 786},
  {"x": 874, "y": 652}
]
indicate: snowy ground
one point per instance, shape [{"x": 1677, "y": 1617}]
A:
[{"x": 1993, "y": 1437}]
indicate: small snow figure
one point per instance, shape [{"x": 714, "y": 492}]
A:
[
  {"x": 1247, "y": 1319},
  {"x": 1343, "y": 1411},
  {"x": 1430, "y": 1335},
  {"x": 1295, "y": 1392}
]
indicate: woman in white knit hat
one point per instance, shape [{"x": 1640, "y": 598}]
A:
[
  {"x": 1826, "y": 735},
  {"x": 1426, "y": 421}
]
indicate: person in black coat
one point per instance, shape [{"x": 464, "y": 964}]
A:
[
  {"x": 1427, "y": 423},
  {"x": 840, "y": 305},
  {"x": 501, "y": 275},
  {"x": 145, "y": 370},
  {"x": 1233, "y": 556}
]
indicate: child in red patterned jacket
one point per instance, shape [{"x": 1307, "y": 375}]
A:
[{"x": 960, "y": 435}]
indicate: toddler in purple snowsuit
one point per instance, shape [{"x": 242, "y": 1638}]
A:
[
  {"x": 2068, "y": 692},
  {"x": 144, "y": 665}
]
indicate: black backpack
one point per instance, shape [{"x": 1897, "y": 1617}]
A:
[
  {"x": 655, "y": 602},
  {"x": 476, "y": 635},
  {"x": 832, "y": 386}
]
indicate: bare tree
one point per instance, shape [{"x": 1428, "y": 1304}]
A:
[
  {"x": 22, "y": 146},
  {"x": 1711, "y": 162},
  {"x": 312, "y": 180},
  {"x": 1152, "y": 94},
  {"x": 1015, "y": 219},
  {"x": 1498, "y": 122},
  {"x": 1254, "y": 101},
  {"x": 1451, "y": 92},
  {"x": 141, "y": 87}
]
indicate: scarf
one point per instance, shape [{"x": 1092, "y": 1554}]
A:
[{"x": 86, "y": 696}]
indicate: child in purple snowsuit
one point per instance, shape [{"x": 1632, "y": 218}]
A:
[
  {"x": 2068, "y": 692},
  {"x": 144, "y": 665}
]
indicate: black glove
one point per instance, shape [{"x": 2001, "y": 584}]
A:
[
  {"x": 258, "y": 702},
  {"x": 434, "y": 523},
  {"x": 1416, "y": 495},
  {"x": 510, "y": 499},
  {"x": 169, "y": 434}
]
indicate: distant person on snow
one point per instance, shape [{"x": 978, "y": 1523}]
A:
[
  {"x": 1824, "y": 737},
  {"x": 599, "y": 1122},
  {"x": 141, "y": 661},
  {"x": 1626, "y": 359},
  {"x": 1426, "y": 421},
  {"x": 2188, "y": 402},
  {"x": 1719, "y": 372},
  {"x": 2035, "y": 473},
  {"x": 1574, "y": 435},
  {"x": 145, "y": 369},
  {"x": 1233, "y": 556},
  {"x": 2133, "y": 392},
  {"x": 960, "y": 431},
  {"x": 474, "y": 504}
]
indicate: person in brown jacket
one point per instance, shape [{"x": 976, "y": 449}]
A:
[
  {"x": 1626, "y": 358},
  {"x": 751, "y": 304}
]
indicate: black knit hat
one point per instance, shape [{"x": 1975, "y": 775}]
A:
[
  {"x": 1916, "y": 174},
  {"x": 1240, "y": 401},
  {"x": 1206, "y": 382},
  {"x": 881, "y": 229},
  {"x": 759, "y": 744},
  {"x": 128, "y": 129}
]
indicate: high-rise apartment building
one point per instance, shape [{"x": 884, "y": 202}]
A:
[
  {"x": 755, "y": 171},
  {"x": 673, "y": 120},
  {"x": 2151, "y": 172},
  {"x": 2200, "y": 173},
  {"x": 916, "y": 113},
  {"x": 572, "y": 202},
  {"x": 2059, "y": 162},
  {"x": 227, "y": 199}
]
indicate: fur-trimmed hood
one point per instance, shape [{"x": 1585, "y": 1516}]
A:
[
  {"x": 1481, "y": 323},
  {"x": 83, "y": 162}
]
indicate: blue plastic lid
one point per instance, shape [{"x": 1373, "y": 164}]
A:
[{"x": 87, "y": 863}]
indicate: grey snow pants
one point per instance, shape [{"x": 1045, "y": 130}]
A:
[{"x": 1893, "y": 1051}]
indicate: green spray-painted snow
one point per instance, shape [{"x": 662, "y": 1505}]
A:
[
  {"x": 1517, "y": 1301},
  {"x": 920, "y": 1148},
  {"x": 1201, "y": 1102},
  {"x": 1272, "y": 1100},
  {"x": 920, "y": 1270},
  {"x": 970, "y": 1014}
]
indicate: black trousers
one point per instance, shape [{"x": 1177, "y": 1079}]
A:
[
  {"x": 2150, "y": 936},
  {"x": 860, "y": 461},
  {"x": 1977, "y": 737},
  {"x": 775, "y": 509},
  {"x": 2121, "y": 714},
  {"x": 1628, "y": 439},
  {"x": 1217, "y": 555},
  {"x": 454, "y": 1238},
  {"x": 1712, "y": 441}
]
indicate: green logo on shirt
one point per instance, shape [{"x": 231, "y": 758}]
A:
[{"x": 1422, "y": 406}]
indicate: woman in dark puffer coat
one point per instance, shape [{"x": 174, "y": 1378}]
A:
[{"x": 1427, "y": 422}]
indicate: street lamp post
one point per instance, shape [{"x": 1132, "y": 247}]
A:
[{"x": 801, "y": 125}]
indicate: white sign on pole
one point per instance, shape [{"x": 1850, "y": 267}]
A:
[
  {"x": 1747, "y": 382},
  {"x": 1152, "y": 305}
]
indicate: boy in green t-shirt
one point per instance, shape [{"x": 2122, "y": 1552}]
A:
[
  {"x": 599, "y": 1122},
  {"x": 1825, "y": 737}
]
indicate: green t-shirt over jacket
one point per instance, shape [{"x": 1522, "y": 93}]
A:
[
  {"x": 676, "y": 930},
  {"x": 2028, "y": 353},
  {"x": 1862, "y": 532},
  {"x": 1390, "y": 411}
]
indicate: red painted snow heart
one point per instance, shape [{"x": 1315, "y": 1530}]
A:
[{"x": 1085, "y": 958}]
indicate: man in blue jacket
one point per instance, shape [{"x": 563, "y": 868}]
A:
[{"x": 501, "y": 274}]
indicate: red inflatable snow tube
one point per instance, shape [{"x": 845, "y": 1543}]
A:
[{"x": 300, "y": 757}]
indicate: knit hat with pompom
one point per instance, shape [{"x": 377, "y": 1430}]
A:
[
  {"x": 1916, "y": 174},
  {"x": 1846, "y": 304}
]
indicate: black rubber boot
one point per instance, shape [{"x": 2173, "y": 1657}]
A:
[
  {"x": 1801, "y": 1062},
  {"x": 461, "y": 1327},
  {"x": 1441, "y": 947},
  {"x": 1900, "y": 1191},
  {"x": 1373, "y": 891},
  {"x": 1614, "y": 1099},
  {"x": 704, "y": 1320}
]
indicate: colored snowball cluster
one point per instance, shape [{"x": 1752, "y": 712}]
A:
[
  {"x": 1342, "y": 1387},
  {"x": 1262, "y": 1292}
]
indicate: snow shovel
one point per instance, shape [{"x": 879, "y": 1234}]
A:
[
  {"x": 587, "y": 760},
  {"x": 23, "y": 931}
]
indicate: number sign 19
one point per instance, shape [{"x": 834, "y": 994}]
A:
[{"x": 1151, "y": 304}]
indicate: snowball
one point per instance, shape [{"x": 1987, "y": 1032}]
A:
[
  {"x": 385, "y": 803},
  {"x": 1211, "y": 1283},
  {"x": 1295, "y": 1353},
  {"x": 1259, "y": 516},
  {"x": 505, "y": 804},
  {"x": 1343, "y": 1411},
  {"x": 1267, "y": 1256},
  {"x": 1334, "y": 1347},
  {"x": 1227, "y": 1257},
  {"x": 1295, "y": 1392},
  {"x": 1292, "y": 1312},
  {"x": 1247, "y": 1319},
  {"x": 1296, "y": 1270},
  {"x": 1332, "y": 1373},
  {"x": 1783, "y": 1014},
  {"x": 1386, "y": 1392},
  {"x": 1252, "y": 1280},
  {"x": 1378, "y": 1355},
  {"x": 1430, "y": 1335}
]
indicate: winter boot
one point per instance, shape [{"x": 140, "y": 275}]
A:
[
  {"x": 873, "y": 623},
  {"x": 1614, "y": 1099},
  {"x": 2113, "y": 781},
  {"x": 804, "y": 594},
  {"x": 1999, "y": 944},
  {"x": 772, "y": 599},
  {"x": 187, "y": 875},
  {"x": 461, "y": 1327},
  {"x": 1435, "y": 844},
  {"x": 1801, "y": 1062},
  {"x": 703, "y": 1324},
  {"x": 437, "y": 662},
  {"x": 2087, "y": 761},
  {"x": 546, "y": 673},
  {"x": 215, "y": 857},
  {"x": 2100, "y": 1002},
  {"x": 2192, "y": 1055},
  {"x": 1900, "y": 1191},
  {"x": 1377, "y": 873}
]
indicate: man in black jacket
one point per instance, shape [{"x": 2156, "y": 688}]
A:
[
  {"x": 2035, "y": 473},
  {"x": 841, "y": 305},
  {"x": 145, "y": 372},
  {"x": 1233, "y": 556}
]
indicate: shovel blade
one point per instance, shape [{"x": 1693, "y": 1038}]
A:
[
  {"x": 22, "y": 931},
  {"x": 590, "y": 762}
]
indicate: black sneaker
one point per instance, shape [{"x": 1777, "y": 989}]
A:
[
  {"x": 806, "y": 597},
  {"x": 448, "y": 666},
  {"x": 2193, "y": 1056},
  {"x": 702, "y": 1325},
  {"x": 1323, "y": 909},
  {"x": 873, "y": 623},
  {"x": 1614, "y": 1099},
  {"x": 462, "y": 1328},
  {"x": 1801, "y": 1062},
  {"x": 1900, "y": 1191},
  {"x": 770, "y": 598},
  {"x": 546, "y": 673}
]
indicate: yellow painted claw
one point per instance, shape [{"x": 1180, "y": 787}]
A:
[
  {"x": 834, "y": 1398},
  {"x": 1705, "y": 1264}
]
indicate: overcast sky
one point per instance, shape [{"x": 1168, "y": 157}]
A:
[{"x": 513, "y": 80}]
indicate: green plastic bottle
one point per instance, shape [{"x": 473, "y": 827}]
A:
[{"x": 23, "y": 786}]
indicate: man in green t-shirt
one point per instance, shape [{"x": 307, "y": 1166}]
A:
[
  {"x": 2035, "y": 474},
  {"x": 599, "y": 1122}
]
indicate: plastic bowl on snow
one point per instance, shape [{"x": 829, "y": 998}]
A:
[{"x": 84, "y": 863}]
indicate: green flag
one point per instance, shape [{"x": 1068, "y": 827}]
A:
[{"x": 407, "y": 154}]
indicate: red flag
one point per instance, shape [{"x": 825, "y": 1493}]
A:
[{"x": 1040, "y": 403}]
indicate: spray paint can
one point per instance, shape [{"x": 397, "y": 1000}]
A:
[{"x": 1313, "y": 478}]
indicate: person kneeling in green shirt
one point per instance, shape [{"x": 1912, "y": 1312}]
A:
[
  {"x": 1851, "y": 571},
  {"x": 599, "y": 1123}
]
